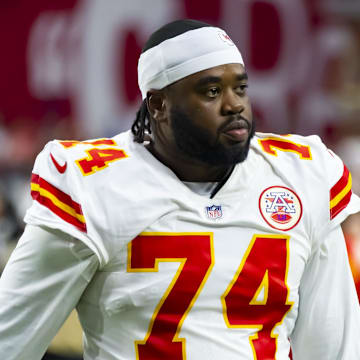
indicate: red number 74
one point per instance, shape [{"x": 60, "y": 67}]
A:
[{"x": 266, "y": 254}]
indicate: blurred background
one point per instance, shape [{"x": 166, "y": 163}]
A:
[{"x": 68, "y": 71}]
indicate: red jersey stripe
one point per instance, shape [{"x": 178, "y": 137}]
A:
[
  {"x": 341, "y": 205},
  {"x": 59, "y": 212},
  {"x": 341, "y": 184},
  {"x": 58, "y": 202},
  {"x": 35, "y": 178},
  {"x": 63, "y": 197}
]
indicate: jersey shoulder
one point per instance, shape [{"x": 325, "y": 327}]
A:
[
  {"x": 307, "y": 159},
  {"x": 96, "y": 188},
  {"x": 65, "y": 183},
  {"x": 64, "y": 161},
  {"x": 289, "y": 146},
  {"x": 64, "y": 164},
  {"x": 302, "y": 152}
]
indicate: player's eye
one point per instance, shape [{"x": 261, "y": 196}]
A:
[
  {"x": 241, "y": 89},
  {"x": 212, "y": 92}
]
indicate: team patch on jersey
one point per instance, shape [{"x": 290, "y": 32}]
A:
[
  {"x": 280, "y": 207},
  {"x": 340, "y": 193},
  {"x": 58, "y": 202},
  {"x": 214, "y": 212}
]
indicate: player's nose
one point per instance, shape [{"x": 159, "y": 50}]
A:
[{"x": 231, "y": 103}]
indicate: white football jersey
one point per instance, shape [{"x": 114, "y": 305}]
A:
[{"x": 185, "y": 276}]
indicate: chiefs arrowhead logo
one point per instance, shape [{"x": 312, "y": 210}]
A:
[{"x": 60, "y": 168}]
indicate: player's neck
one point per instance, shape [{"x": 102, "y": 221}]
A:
[{"x": 187, "y": 169}]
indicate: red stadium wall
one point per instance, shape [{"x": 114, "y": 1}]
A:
[{"x": 61, "y": 55}]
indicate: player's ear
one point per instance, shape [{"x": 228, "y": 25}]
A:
[{"x": 156, "y": 105}]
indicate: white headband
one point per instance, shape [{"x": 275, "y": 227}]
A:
[{"x": 183, "y": 55}]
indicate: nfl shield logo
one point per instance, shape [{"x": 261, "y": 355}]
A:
[{"x": 214, "y": 212}]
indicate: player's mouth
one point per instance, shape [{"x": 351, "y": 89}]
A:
[{"x": 237, "y": 130}]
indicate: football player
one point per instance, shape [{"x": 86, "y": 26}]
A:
[{"x": 191, "y": 236}]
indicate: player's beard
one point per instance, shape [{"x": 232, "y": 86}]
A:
[{"x": 195, "y": 142}]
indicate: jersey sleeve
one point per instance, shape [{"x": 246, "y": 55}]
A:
[
  {"x": 316, "y": 171},
  {"x": 41, "y": 284},
  {"x": 59, "y": 201},
  {"x": 342, "y": 200},
  {"x": 328, "y": 322}
]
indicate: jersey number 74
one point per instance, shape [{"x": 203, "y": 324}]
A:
[{"x": 257, "y": 272}]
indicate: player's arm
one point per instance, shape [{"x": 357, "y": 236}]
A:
[
  {"x": 328, "y": 323},
  {"x": 41, "y": 284}
]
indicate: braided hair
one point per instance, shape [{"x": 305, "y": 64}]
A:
[{"x": 142, "y": 124}]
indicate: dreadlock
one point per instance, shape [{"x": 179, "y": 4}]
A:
[{"x": 141, "y": 125}]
